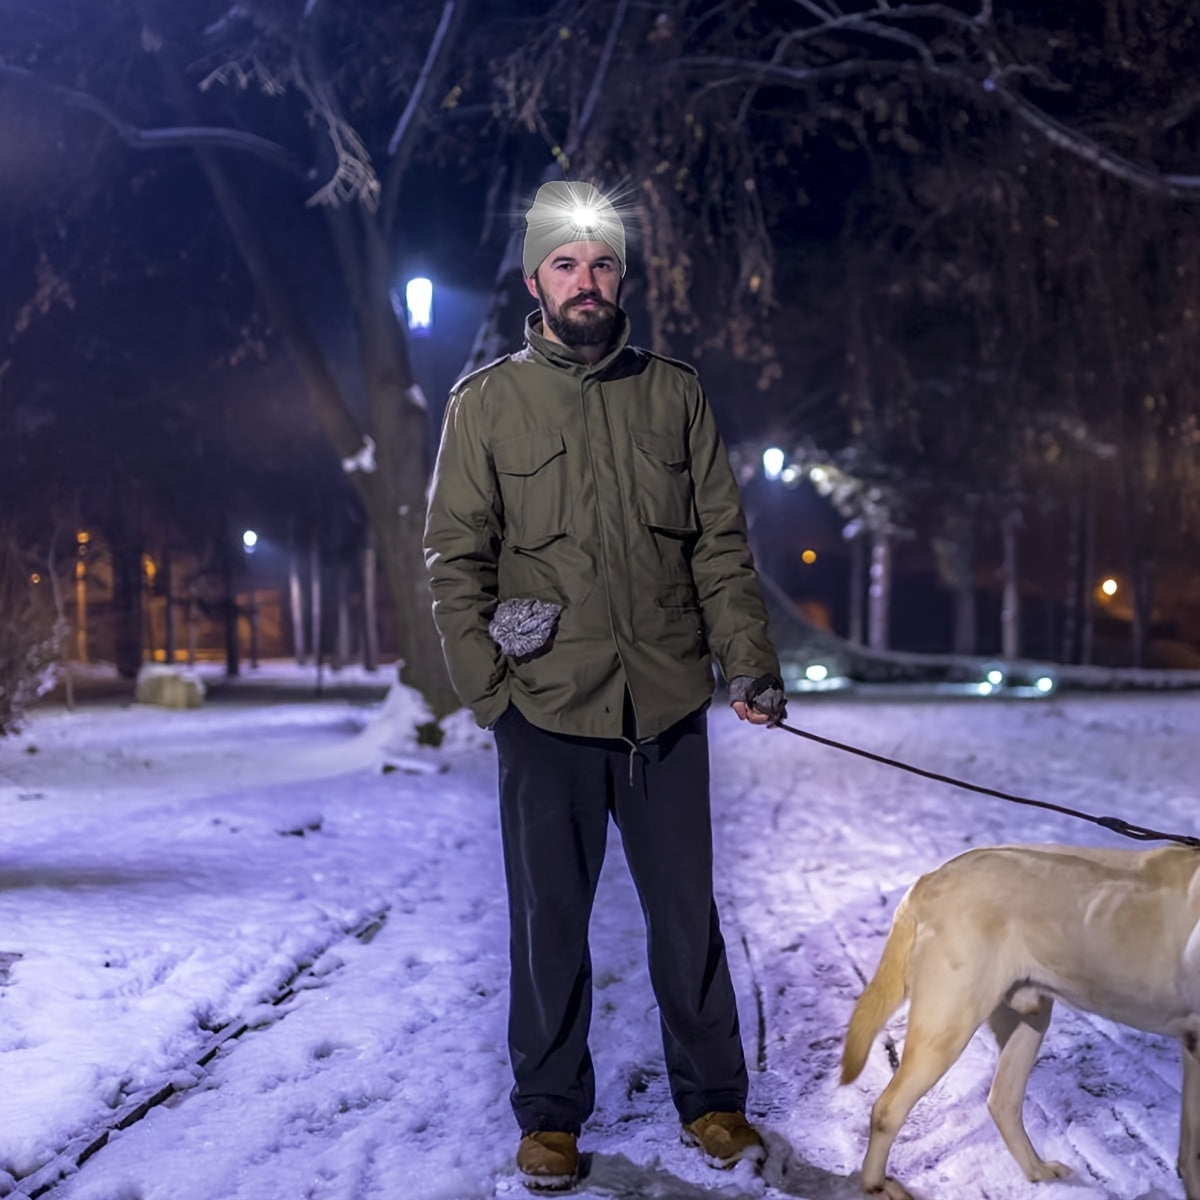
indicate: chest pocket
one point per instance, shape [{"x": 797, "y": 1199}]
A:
[
  {"x": 664, "y": 482},
  {"x": 532, "y": 470}
]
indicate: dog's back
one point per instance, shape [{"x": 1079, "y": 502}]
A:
[{"x": 1106, "y": 930}]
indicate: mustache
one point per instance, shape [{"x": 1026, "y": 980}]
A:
[{"x": 595, "y": 297}]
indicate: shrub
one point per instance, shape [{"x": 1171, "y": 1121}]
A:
[{"x": 29, "y": 633}]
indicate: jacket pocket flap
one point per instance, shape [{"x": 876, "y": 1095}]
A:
[
  {"x": 528, "y": 453},
  {"x": 662, "y": 446}
]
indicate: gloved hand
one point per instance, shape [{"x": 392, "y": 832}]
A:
[{"x": 764, "y": 694}]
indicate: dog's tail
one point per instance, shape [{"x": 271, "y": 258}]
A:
[{"x": 883, "y": 995}]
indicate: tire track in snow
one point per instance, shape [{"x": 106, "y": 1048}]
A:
[{"x": 188, "y": 1074}]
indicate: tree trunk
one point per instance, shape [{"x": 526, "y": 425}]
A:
[
  {"x": 168, "y": 590},
  {"x": 1087, "y": 576},
  {"x": 1010, "y": 607},
  {"x": 370, "y": 615},
  {"x": 314, "y": 600},
  {"x": 127, "y": 603},
  {"x": 1070, "y": 651},
  {"x": 395, "y": 493},
  {"x": 880, "y": 595},
  {"x": 341, "y": 644},
  {"x": 1138, "y": 566},
  {"x": 966, "y": 614},
  {"x": 233, "y": 664},
  {"x": 855, "y": 634},
  {"x": 296, "y": 606},
  {"x": 193, "y": 621}
]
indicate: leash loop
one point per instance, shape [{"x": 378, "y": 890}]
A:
[{"x": 1118, "y": 825}]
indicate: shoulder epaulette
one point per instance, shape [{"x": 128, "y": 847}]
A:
[
  {"x": 470, "y": 375},
  {"x": 674, "y": 362}
]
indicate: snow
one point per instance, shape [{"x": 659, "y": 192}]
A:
[{"x": 164, "y": 874}]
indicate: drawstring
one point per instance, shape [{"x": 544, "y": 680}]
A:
[{"x": 634, "y": 751}]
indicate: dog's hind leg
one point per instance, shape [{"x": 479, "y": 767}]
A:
[
  {"x": 940, "y": 1025},
  {"x": 1189, "y": 1123},
  {"x": 1020, "y": 1036}
]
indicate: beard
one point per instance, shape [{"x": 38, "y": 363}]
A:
[{"x": 575, "y": 327}]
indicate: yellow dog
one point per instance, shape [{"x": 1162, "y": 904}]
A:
[{"x": 998, "y": 934}]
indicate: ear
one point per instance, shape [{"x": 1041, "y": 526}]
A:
[{"x": 531, "y": 286}]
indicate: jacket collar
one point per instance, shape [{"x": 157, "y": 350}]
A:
[{"x": 564, "y": 357}]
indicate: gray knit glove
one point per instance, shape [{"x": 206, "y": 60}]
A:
[
  {"x": 523, "y": 626},
  {"x": 764, "y": 694}
]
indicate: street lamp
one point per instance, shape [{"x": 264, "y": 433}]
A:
[
  {"x": 250, "y": 544},
  {"x": 418, "y": 305}
]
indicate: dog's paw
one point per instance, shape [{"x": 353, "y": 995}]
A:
[
  {"x": 1048, "y": 1170},
  {"x": 890, "y": 1188}
]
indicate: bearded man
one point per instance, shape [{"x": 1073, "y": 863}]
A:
[{"x": 588, "y": 560}]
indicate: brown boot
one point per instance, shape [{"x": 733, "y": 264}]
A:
[
  {"x": 724, "y": 1138},
  {"x": 548, "y": 1160}
]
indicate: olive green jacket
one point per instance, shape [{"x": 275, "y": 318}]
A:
[{"x": 604, "y": 488}]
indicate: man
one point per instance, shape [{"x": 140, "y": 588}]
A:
[{"x": 588, "y": 557}]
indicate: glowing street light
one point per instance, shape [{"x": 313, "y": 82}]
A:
[
  {"x": 418, "y": 304},
  {"x": 1109, "y": 587},
  {"x": 773, "y": 461},
  {"x": 249, "y": 541}
]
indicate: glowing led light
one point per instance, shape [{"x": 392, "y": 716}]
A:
[
  {"x": 585, "y": 216},
  {"x": 773, "y": 460},
  {"x": 249, "y": 539},
  {"x": 1109, "y": 587},
  {"x": 809, "y": 556},
  {"x": 1044, "y": 683},
  {"x": 995, "y": 677},
  {"x": 816, "y": 672}
]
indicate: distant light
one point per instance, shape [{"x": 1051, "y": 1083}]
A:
[
  {"x": 816, "y": 672},
  {"x": 250, "y": 540},
  {"x": 995, "y": 677},
  {"x": 789, "y": 475},
  {"x": 986, "y": 689},
  {"x": 1109, "y": 587},
  {"x": 773, "y": 460},
  {"x": 818, "y": 474},
  {"x": 83, "y": 537},
  {"x": 809, "y": 556},
  {"x": 1044, "y": 683},
  {"x": 35, "y": 578},
  {"x": 418, "y": 301}
]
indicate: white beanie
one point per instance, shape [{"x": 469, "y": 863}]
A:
[{"x": 565, "y": 212}]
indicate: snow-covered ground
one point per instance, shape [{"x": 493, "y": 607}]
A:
[{"x": 165, "y": 875}]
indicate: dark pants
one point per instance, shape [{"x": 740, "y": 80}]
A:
[{"x": 556, "y": 794}]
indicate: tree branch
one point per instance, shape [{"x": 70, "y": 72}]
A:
[
  {"x": 175, "y": 137},
  {"x": 400, "y": 144},
  {"x": 1062, "y": 137},
  {"x": 417, "y": 97},
  {"x": 589, "y": 105}
]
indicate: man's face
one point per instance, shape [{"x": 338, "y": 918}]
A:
[{"x": 578, "y": 286}]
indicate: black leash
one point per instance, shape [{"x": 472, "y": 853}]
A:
[{"x": 1114, "y": 824}]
